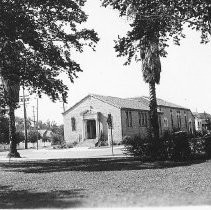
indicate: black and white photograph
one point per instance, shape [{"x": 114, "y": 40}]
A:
[{"x": 105, "y": 104}]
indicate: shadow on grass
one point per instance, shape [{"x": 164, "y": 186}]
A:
[
  {"x": 89, "y": 164},
  {"x": 10, "y": 199}
]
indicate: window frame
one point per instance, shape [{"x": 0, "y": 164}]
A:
[
  {"x": 73, "y": 123},
  {"x": 165, "y": 122},
  {"x": 129, "y": 119},
  {"x": 143, "y": 119},
  {"x": 179, "y": 123}
]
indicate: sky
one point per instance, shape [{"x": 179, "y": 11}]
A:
[{"x": 185, "y": 76}]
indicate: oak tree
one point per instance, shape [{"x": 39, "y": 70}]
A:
[{"x": 37, "y": 38}]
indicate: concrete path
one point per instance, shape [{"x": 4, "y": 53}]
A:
[{"x": 78, "y": 152}]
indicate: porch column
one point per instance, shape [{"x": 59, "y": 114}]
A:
[
  {"x": 84, "y": 130},
  {"x": 97, "y": 126}
]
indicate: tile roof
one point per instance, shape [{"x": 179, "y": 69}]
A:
[
  {"x": 121, "y": 102},
  {"x": 139, "y": 103},
  {"x": 160, "y": 102}
]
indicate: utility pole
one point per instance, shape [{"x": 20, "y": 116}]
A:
[
  {"x": 25, "y": 124},
  {"x": 34, "y": 118},
  {"x": 37, "y": 124}
]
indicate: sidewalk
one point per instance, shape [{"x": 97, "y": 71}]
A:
[{"x": 77, "y": 152}]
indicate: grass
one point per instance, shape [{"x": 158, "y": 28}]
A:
[{"x": 104, "y": 182}]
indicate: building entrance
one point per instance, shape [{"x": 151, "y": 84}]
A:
[{"x": 91, "y": 129}]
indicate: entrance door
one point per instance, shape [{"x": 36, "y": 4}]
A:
[{"x": 91, "y": 129}]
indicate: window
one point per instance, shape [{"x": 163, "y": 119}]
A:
[
  {"x": 172, "y": 121},
  {"x": 73, "y": 124},
  {"x": 143, "y": 119},
  {"x": 190, "y": 126},
  {"x": 186, "y": 123},
  {"x": 178, "y": 120},
  {"x": 165, "y": 122},
  {"x": 159, "y": 122},
  {"x": 146, "y": 119},
  {"x": 128, "y": 118}
]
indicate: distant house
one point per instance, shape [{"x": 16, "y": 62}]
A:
[
  {"x": 87, "y": 119},
  {"x": 202, "y": 121},
  {"x": 45, "y": 133}
]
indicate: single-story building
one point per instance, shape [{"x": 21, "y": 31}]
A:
[
  {"x": 87, "y": 119},
  {"x": 202, "y": 121}
]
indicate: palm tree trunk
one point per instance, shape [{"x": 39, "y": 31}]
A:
[{"x": 154, "y": 119}]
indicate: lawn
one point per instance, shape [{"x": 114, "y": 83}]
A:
[{"x": 103, "y": 182}]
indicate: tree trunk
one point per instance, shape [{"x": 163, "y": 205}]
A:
[
  {"x": 11, "y": 92},
  {"x": 154, "y": 120},
  {"x": 12, "y": 130}
]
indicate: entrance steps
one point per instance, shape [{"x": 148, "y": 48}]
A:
[{"x": 87, "y": 143}]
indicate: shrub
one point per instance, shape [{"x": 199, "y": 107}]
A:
[
  {"x": 175, "y": 146},
  {"x": 201, "y": 146},
  {"x": 207, "y": 146},
  {"x": 33, "y": 136},
  {"x": 182, "y": 150},
  {"x": 138, "y": 147},
  {"x": 57, "y": 139},
  {"x": 19, "y": 137},
  {"x": 102, "y": 141},
  {"x": 197, "y": 146},
  {"x": 198, "y": 134},
  {"x": 172, "y": 146},
  {"x": 71, "y": 144},
  {"x": 167, "y": 146},
  {"x": 46, "y": 139},
  {"x": 61, "y": 146}
]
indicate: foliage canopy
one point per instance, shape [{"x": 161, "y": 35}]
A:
[
  {"x": 36, "y": 39},
  {"x": 159, "y": 20}
]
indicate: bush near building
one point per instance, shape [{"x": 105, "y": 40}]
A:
[
  {"x": 138, "y": 147},
  {"x": 207, "y": 146},
  {"x": 177, "y": 146},
  {"x": 57, "y": 141}
]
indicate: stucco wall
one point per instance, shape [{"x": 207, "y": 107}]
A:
[
  {"x": 97, "y": 106},
  {"x": 136, "y": 129},
  {"x": 167, "y": 114},
  {"x": 120, "y": 128}
]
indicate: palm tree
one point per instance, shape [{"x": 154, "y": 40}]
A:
[
  {"x": 151, "y": 68},
  {"x": 153, "y": 24}
]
